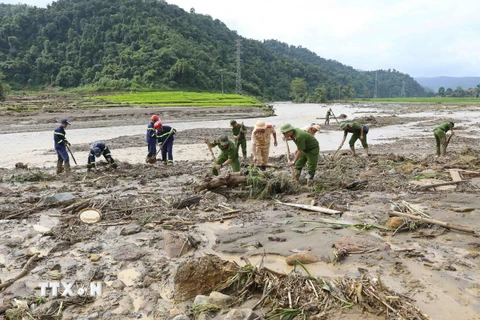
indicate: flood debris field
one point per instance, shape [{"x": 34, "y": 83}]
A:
[{"x": 390, "y": 236}]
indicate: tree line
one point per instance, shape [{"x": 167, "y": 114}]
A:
[
  {"x": 153, "y": 45},
  {"x": 459, "y": 92}
]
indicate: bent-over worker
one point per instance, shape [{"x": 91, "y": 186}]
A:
[
  {"x": 165, "y": 136},
  {"x": 440, "y": 133},
  {"x": 97, "y": 149},
  {"x": 261, "y": 138},
  {"x": 307, "y": 150},
  {"x": 228, "y": 154},
  {"x": 312, "y": 129},
  {"x": 358, "y": 131}
]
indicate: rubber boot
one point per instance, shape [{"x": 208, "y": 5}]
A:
[
  {"x": 296, "y": 175},
  {"x": 67, "y": 168},
  {"x": 310, "y": 179},
  {"x": 59, "y": 166}
]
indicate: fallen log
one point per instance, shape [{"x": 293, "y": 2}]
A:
[
  {"x": 428, "y": 186},
  {"x": 231, "y": 180},
  {"x": 24, "y": 272},
  {"x": 311, "y": 208},
  {"x": 433, "y": 221}
]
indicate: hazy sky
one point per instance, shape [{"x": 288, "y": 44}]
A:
[{"x": 419, "y": 37}]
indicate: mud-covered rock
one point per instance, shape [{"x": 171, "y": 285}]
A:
[
  {"x": 175, "y": 244},
  {"x": 240, "y": 314},
  {"x": 200, "y": 276},
  {"x": 63, "y": 198},
  {"x": 130, "y": 229},
  {"x": 219, "y": 299},
  {"x": 304, "y": 257},
  {"x": 128, "y": 252},
  {"x": 360, "y": 243}
]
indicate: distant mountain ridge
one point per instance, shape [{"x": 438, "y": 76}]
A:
[{"x": 448, "y": 82}]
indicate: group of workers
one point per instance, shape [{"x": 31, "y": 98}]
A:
[{"x": 307, "y": 152}]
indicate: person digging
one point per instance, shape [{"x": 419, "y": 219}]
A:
[
  {"x": 358, "y": 131},
  {"x": 228, "y": 154},
  {"x": 97, "y": 149},
  {"x": 440, "y": 133},
  {"x": 307, "y": 150}
]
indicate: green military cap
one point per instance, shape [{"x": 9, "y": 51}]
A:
[
  {"x": 224, "y": 140},
  {"x": 286, "y": 127},
  {"x": 232, "y": 122},
  {"x": 343, "y": 125}
]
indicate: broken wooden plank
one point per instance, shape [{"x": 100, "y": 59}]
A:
[
  {"x": 447, "y": 225},
  {"x": 428, "y": 186},
  {"x": 455, "y": 175},
  {"x": 311, "y": 208}
]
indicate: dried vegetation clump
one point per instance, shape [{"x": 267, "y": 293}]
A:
[{"x": 298, "y": 296}]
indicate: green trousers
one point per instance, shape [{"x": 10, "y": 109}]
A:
[
  {"x": 441, "y": 140},
  {"x": 242, "y": 143},
  {"x": 221, "y": 159},
  {"x": 355, "y": 137},
  {"x": 311, "y": 159}
]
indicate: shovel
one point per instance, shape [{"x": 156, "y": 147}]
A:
[
  {"x": 333, "y": 114},
  {"x": 70, "y": 151},
  {"x": 210, "y": 148}
]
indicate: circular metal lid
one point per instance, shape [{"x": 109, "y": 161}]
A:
[{"x": 90, "y": 215}]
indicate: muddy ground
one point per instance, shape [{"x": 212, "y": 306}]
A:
[{"x": 155, "y": 254}]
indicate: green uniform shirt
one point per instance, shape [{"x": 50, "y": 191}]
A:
[
  {"x": 354, "y": 127},
  {"x": 236, "y": 132},
  {"x": 305, "y": 141},
  {"x": 445, "y": 127},
  {"x": 231, "y": 152}
]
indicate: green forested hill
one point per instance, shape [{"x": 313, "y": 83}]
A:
[{"x": 150, "y": 44}]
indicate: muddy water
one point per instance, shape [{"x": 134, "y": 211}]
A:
[
  {"x": 453, "y": 297},
  {"x": 36, "y": 148}
]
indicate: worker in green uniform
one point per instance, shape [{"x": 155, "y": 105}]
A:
[
  {"x": 358, "y": 131},
  {"x": 327, "y": 116},
  {"x": 440, "y": 133},
  {"x": 307, "y": 150},
  {"x": 228, "y": 154},
  {"x": 239, "y": 131}
]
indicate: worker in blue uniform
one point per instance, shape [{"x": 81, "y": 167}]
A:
[
  {"x": 165, "y": 136},
  {"x": 152, "y": 140},
  {"x": 97, "y": 149},
  {"x": 60, "y": 144}
]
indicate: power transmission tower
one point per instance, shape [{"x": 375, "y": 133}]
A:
[
  {"x": 403, "y": 94},
  {"x": 238, "y": 87},
  {"x": 221, "y": 77},
  {"x": 375, "y": 90}
]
